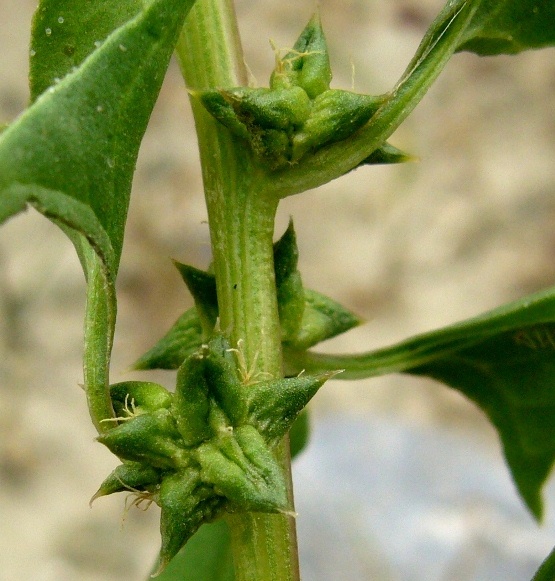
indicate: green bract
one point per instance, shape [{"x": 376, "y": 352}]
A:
[
  {"x": 208, "y": 447},
  {"x": 307, "y": 65}
]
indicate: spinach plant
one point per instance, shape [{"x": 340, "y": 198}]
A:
[{"x": 216, "y": 449}]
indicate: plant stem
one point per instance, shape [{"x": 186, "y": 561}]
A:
[
  {"x": 241, "y": 216},
  {"x": 99, "y": 328}
]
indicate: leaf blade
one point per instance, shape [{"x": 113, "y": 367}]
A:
[
  {"x": 65, "y": 32},
  {"x": 546, "y": 572},
  {"x": 509, "y": 27},
  {"x": 503, "y": 360}
]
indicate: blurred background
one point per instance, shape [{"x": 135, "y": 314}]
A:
[{"x": 404, "y": 479}]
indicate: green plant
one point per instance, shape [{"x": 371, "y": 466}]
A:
[{"x": 218, "y": 445}]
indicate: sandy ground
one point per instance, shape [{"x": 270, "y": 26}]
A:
[{"x": 408, "y": 248}]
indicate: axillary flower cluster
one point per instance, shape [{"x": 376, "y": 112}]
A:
[
  {"x": 299, "y": 113},
  {"x": 207, "y": 448}
]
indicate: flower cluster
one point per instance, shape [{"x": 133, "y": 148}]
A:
[
  {"x": 207, "y": 448},
  {"x": 299, "y": 113}
]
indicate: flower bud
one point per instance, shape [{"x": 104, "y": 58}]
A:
[
  {"x": 151, "y": 438},
  {"x": 291, "y": 305},
  {"x": 191, "y": 401},
  {"x": 215, "y": 102},
  {"x": 273, "y": 146},
  {"x": 136, "y": 397},
  {"x": 221, "y": 376},
  {"x": 387, "y": 154},
  {"x": 264, "y": 108},
  {"x": 290, "y": 292},
  {"x": 315, "y": 72},
  {"x": 335, "y": 115},
  {"x": 323, "y": 318},
  {"x": 202, "y": 285},
  {"x": 265, "y": 118},
  {"x": 274, "y": 405},
  {"x": 307, "y": 65},
  {"x": 241, "y": 468}
]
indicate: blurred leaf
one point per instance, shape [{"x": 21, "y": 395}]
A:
[
  {"x": 503, "y": 360},
  {"x": 547, "y": 570},
  {"x": 299, "y": 434},
  {"x": 510, "y": 26}
]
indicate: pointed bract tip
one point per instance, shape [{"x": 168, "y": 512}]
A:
[
  {"x": 290, "y": 513},
  {"x": 97, "y": 494}
]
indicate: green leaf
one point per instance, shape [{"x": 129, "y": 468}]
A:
[
  {"x": 72, "y": 153},
  {"x": 65, "y": 32},
  {"x": 150, "y": 438},
  {"x": 241, "y": 467},
  {"x": 510, "y": 26},
  {"x": 308, "y": 64},
  {"x": 205, "y": 557},
  {"x": 191, "y": 401},
  {"x": 503, "y": 360},
  {"x": 547, "y": 570}
]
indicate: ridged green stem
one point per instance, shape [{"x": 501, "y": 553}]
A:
[{"x": 241, "y": 217}]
